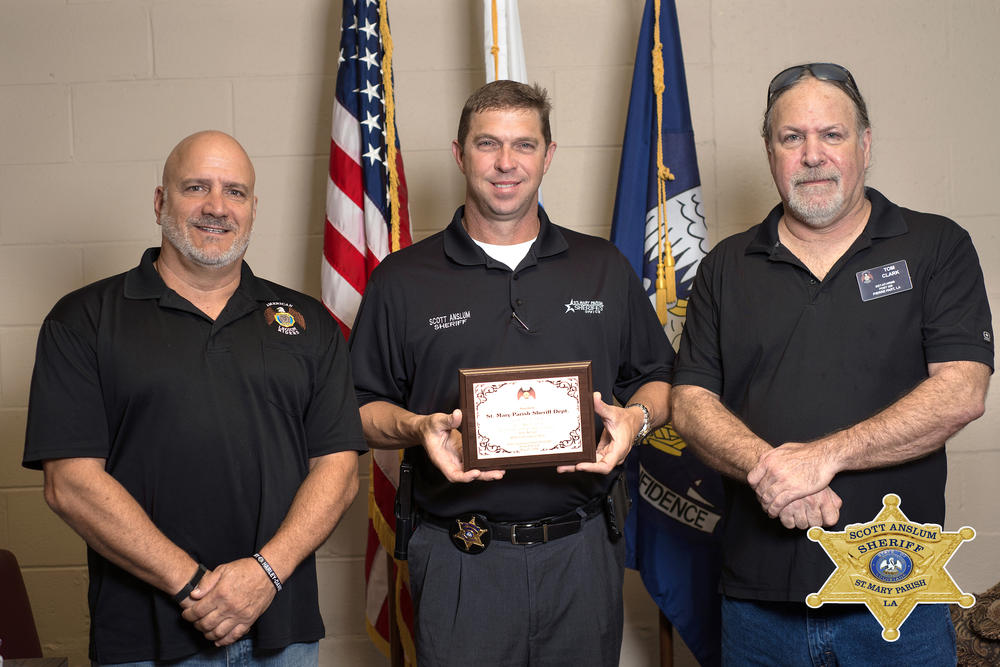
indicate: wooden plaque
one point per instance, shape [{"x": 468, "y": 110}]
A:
[{"x": 527, "y": 416}]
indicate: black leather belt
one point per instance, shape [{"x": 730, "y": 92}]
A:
[{"x": 472, "y": 533}]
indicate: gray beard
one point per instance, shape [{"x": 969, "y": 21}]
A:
[
  {"x": 178, "y": 238},
  {"x": 814, "y": 213}
]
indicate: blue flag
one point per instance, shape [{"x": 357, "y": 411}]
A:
[{"x": 673, "y": 529}]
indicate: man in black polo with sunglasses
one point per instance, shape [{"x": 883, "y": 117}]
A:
[{"x": 829, "y": 353}]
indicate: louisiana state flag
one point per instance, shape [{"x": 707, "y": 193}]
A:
[{"x": 672, "y": 531}]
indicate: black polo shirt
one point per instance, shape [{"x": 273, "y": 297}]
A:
[
  {"x": 443, "y": 304},
  {"x": 797, "y": 358},
  {"x": 209, "y": 425}
]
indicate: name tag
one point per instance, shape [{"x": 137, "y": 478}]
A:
[{"x": 884, "y": 280}]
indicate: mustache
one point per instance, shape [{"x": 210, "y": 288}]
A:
[
  {"x": 816, "y": 175},
  {"x": 212, "y": 221}
]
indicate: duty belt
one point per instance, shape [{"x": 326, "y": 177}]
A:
[{"x": 473, "y": 532}]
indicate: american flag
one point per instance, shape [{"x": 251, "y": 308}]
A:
[
  {"x": 359, "y": 206},
  {"x": 366, "y": 218}
]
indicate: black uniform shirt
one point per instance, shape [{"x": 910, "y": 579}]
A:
[
  {"x": 797, "y": 358},
  {"x": 443, "y": 304},
  {"x": 209, "y": 425}
]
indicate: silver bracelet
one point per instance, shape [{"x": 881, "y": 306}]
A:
[{"x": 645, "y": 421}]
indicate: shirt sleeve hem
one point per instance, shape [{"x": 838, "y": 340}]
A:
[
  {"x": 33, "y": 460},
  {"x": 698, "y": 379},
  {"x": 359, "y": 446},
  {"x": 366, "y": 397},
  {"x": 959, "y": 352}
]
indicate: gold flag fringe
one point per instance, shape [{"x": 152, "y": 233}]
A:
[
  {"x": 666, "y": 281},
  {"x": 390, "y": 127},
  {"x": 495, "y": 49}
]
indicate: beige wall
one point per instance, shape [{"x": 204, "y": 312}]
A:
[{"x": 94, "y": 93}]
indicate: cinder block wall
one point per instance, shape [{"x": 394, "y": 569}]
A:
[{"x": 93, "y": 94}]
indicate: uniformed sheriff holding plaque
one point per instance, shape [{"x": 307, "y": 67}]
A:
[
  {"x": 829, "y": 352},
  {"x": 521, "y": 562}
]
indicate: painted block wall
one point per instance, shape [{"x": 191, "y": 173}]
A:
[{"x": 94, "y": 93}]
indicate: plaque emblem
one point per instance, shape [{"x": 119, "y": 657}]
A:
[
  {"x": 890, "y": 565},
  {"x": 470, "y": 537}
]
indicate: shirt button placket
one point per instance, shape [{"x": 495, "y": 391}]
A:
[{"x": 516, "y": 302}]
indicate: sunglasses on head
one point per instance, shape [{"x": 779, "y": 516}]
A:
[{"x": 822, "y": 71}]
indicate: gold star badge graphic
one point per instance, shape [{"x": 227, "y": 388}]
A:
[
  {"x": 470, "y": 534},
  {"x": 891, "y": 565}
]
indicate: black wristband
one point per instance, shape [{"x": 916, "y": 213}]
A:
[
  {"x": 195, "y": 580},
  {"x": 270, "y": 572}
]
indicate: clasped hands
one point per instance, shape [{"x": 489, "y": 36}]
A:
[
  {"x": 792, "y": 483},
  {"x": 443, "y": 442},
  {"x": 228, "y": 600}
]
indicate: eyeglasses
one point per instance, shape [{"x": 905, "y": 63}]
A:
[{"x": 822, "y": 71}]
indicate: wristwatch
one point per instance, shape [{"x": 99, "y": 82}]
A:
[{"x": 645, "y": 421}]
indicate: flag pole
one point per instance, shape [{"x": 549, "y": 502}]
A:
[
  {"x": 666, "y": 281},
  {"x": 666, "y": 641},
  {"x": 677, "y": 560},
  {"x": 367, "y": 217},
  {"x": 396, "y": 655}
]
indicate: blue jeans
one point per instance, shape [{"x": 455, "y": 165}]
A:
[
  {"x": 790, "y": 633},
  {"x": 241, "y": 654}
]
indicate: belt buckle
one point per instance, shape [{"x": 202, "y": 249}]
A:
[{"x": 535, "y": 524}]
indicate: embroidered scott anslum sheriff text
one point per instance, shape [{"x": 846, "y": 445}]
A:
[{"x": 450, "y": 320}]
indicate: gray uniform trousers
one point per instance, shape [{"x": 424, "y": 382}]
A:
[{"x": 557, "y": 603}]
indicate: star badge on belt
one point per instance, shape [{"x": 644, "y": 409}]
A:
[
  {"x": 891, "y": 565},
  {"x": 470, "y": 537}
]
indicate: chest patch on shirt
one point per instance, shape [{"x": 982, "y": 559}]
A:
[
  {"x": 448, "y": 321},
  {"x": 285, "y": 318},
  {"x": 884, "y": 280},
  {"x": 588, "y": 307}
]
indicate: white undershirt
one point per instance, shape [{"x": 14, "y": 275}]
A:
[{"x": 511, "y": 255}]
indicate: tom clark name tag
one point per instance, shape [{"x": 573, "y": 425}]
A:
[
  {"x": 884, "y": 280},
  {"x": 526, "y": 416}
]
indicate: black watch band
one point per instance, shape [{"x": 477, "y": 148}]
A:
[{"x": 195, "y": 580}]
